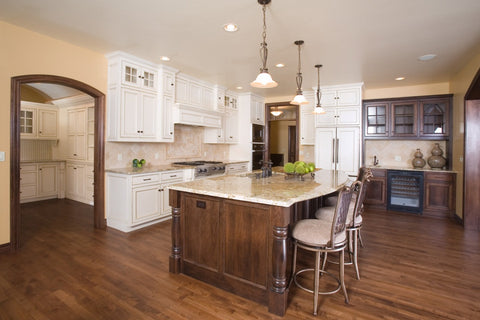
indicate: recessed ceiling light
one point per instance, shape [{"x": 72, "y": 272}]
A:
[
  {"x": 279, "y": 65},
  {"x": 400, "y": 78},
  {"x": 164, "y": 58},
  {"x": 427, "y": 57},
  {"x": 230, "y": 27},
  {"x": 239, "y": 88}
]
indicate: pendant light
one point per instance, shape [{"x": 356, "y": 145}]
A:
[
  {"x": 264, "y": 79},
  {"x": 276, "y": 112},
  {"x": 318, "y": 108},
  {"x": 299, "y": 98}
]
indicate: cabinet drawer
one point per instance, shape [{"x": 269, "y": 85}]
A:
[
  {"x": 439, "y": 176},
  {"x": 377, "y": 173},
  {"x": 28, "y": 178},
  {"x": 28, "y": 167},
  {"x": 145, "y": 179},
  {"x": 172, "y": 176}
]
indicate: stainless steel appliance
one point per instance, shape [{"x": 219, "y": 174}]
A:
[
  {"x": 258, "y": 133},
  {"x": 205, "y": 168}
]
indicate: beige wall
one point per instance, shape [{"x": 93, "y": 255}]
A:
[
  {"x": 459, "y": 86},
  {"x": 407, "y": 91},
  {"x": 25, "y": 52}
]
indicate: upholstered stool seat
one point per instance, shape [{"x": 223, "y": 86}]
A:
[{"x": 321, "y": 237}]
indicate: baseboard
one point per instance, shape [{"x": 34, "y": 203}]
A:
[{"x": 4, "y": 247}]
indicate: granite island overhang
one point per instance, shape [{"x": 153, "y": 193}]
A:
[{"x": 234, "y": 231}]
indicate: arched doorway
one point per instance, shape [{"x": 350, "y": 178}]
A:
[
  {"x": 99, "y": 153},
  {"x": 471, "y": 184}
]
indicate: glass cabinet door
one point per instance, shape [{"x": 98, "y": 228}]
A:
[
  {"x": 404, "y": 119},
  {"x": 27, "y": 122},
  {"x": 376, "y": 119},
  {"x": 434, "y": 117}
]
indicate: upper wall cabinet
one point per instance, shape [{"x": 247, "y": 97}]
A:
[
  {"x": 257, "y": 109},
  {"x": 408, "y": 118},
  {"x": 342, "y": 106},
  {"x": 140, "y": 100},
  {"x": 307, "y": 121},
  {"x": 38, "y": 121}
]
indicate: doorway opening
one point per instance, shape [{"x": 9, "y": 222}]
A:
[
  {"x": 282, "y": 131},
  {"x": 15, "y": 144}
]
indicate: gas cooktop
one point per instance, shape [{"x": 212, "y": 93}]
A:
[{"x": 205, "y": 168}]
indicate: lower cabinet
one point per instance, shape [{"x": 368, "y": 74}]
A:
[
  {"x": 135, "y": 201},
  {"x": 41, "y": 181},
  {"x": 79, "y": 182},
  {"x": 438, "y": 196},
  {"x": 236, "y": 168}
]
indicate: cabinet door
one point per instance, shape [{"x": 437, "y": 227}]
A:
[
  {"x": 130, "y": 74},
  {"x": 130, "y": 114},
  {"x": 439, "y": 193},
  {"x": 404, "y": 119},
  {"x": 75, "y": 184},
  {"x": 257, "y": 112},
  {"x": 376, "y": 119},
  {"x": 167, "y": 121},
  {"x": 28, "y": 181},
  {"x": 147, "y": 203},
  {"x": 307, "y": 127},
  {"x": 47, "y": 180},
  {"x": 325, "y": 142},
  {"x": 47, "y": 123},
  {"x": 377, "y": 189},
  {"x": 348, "y": 116},
  {"x": 148, "y": 116},
  {"x": 328, "y": 98},
  {"x": 327, "y": 119},
  {"x": 168, "y": 83},
  {"x": 27, "y": 123},
  {"x": 348, "y": 152},
  {"x": 148, "y": 79},
  {"x": 348, "y": 97},
  {"x": 434, "y": 115},
  {"x": 77, "y": 146},
  {"x": 231, "y": 126}
]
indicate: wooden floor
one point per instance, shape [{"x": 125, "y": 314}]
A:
[{"x": 412, "y": 268}]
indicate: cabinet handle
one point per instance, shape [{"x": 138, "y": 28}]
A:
[
  {"x": 147, "y": 179},
  {"x": 338, "y": 142},
  {"x": 333, "y": 150},
  {"x": 74, "y": 168},
  {"x": 231, "y": 137},
  {"x": 74, "y": 154},
  {"x": 160, "y": 190}
]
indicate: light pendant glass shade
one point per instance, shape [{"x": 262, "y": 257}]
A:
[
  {"x": 319, "y": 110},
  {"x": 264, "y": 80},
  {"x": 276, "y": 113},
  {"x": 299, "y": 99}
]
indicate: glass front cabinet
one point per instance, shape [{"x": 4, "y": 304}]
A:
[{"x": 434, "y": 116}]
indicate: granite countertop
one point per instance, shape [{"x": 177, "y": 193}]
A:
[
  {"x": 234, "y": 161},
  {"x": 275, "y": 190},
  {"x": 149, "y": 169},
  {"x": 409, "y": 168}
]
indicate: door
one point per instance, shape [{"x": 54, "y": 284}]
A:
[
  {"x": 292, "y": 143},
  {"x": 47, "y": 180},
  {"x": 325, "y": 142},
  {"x": 348, "y": 153}
]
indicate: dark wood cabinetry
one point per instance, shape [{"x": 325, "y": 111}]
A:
[
  {"x": 439, "y": 194},
  {"x": 438, "y": 198},
  {"x": 376, "y": 196},
  {"x": 407, "y": 118}
]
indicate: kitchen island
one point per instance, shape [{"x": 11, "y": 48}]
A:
[{"x": 234, "y": 231}]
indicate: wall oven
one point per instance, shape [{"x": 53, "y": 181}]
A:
[
  {"x": 405, "y": 191},
  {"x": 258, "y": 133},
  {"x": 257, "y": 155}
]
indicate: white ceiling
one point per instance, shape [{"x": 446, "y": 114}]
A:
[
  {"x": 55, "y": 91},
  {"x": 370, "y": 41}
]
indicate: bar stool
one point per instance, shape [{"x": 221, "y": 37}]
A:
[
  {"x": 322, "y": 237},
  {"x": 354, "y": 218}
]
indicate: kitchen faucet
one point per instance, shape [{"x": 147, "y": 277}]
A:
[{"x": 266, "y": 169}]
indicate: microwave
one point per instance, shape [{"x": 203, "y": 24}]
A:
[{"x": 258, "y": 133}]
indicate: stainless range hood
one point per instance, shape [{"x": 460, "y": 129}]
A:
[{"x": 193, "y": 116}]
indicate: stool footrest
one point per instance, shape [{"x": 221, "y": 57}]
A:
[{"x": 321, "y": 273}]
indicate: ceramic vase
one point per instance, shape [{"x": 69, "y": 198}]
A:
[
  {"x": 418, "y": 161},
  {"x": 436, "y": 161}
]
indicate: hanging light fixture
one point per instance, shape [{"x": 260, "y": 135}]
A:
[
  {"x": 299, "y": 98},
  {"x": 276, "y": 112},
  {"x": 264, "y": 79},
  {"x": 318, "y": 108}
]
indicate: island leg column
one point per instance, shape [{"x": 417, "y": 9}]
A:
[
  {"x": 278, "y": 294},
  {"x": 176, "y": 255}
]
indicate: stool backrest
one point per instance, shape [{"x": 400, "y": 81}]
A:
[
  {"x": 360, "y": 187},
  {"x": 340, "y": 216}
]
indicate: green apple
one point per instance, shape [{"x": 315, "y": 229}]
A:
[{"x": 142, "y": 161}]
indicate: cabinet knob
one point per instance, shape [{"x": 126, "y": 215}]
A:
[
  {"x": 160, "y": 190},
  {"x": 171, "y": 133},
  {"x": 172, "y": 84}
]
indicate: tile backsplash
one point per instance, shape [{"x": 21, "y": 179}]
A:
[
  {"x": 188, "y": 145},
  {"x": 398, "y": 153}
]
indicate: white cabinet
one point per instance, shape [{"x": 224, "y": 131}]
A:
[
  {"x": 138, "y": 75},
  {"x": 341, "y": 96},
  {"x": 75, "y": 182},
  {"x": 41, "y": 181},
  {"x": 228, "y": 133},
  {"x": 236, "y": 168},
  {"x": 307, "y": 121},
  {"x": 77, "y": 133},
  {"x": 167, "y": 123},
  {"x": 38, "y": 121},
  {"x": 135, "y": 201},
  {"x": 89, "y": 185},
  {"x": 138, "y": 114},
  {"x": 338, "y": 149},
  {"x": 193, "y": 92},
  {"x": 338, "y": 116},
  {"x": 342, "y": 104},
  {"x": 257, "y": 110}
]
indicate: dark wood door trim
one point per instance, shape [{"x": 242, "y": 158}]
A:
[{"x": 99, "y": 153}]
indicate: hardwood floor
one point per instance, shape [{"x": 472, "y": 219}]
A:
[{"x": 412, "y": 268}]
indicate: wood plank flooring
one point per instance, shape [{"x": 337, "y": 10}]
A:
[{"x": 412, "y": 268}]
